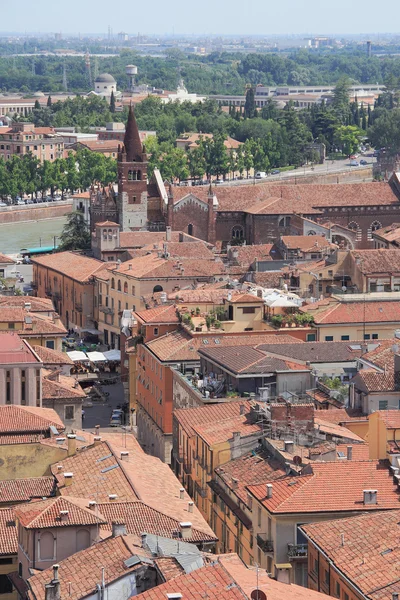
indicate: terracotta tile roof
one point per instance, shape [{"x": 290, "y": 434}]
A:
[
  {"x": 306, "y": 243},
  {"x": 182, "y": 249},
  {"x": 169, "y": 568},
  {"x": 37, "y": 304},
  {"x": 139, "y": 518},
  {"x": 180, "y": 345},
  {"x": 107, "y": 224},
  {"x": 165, "y": 313},
  {"x": 228, "y": 578},
  {"x": 46, "y": 513},
  {"x": 334, "y": 430},
  {"x": 11, "y": 314},
  {"x": 287, "y": 199},
  {"x": 268, "y": 279},
  {"x": 14, "y": 350},
  {"x": 61, "y": 388},
  {"x": 391, "y": 233},
  {"x": 76, "y": 266},
  {"x": 333, "y": 487},
  {"x": 250, "y": 469},
  {"x": 52, "y": 357},
  {"x": 80, "y": 573},
  {"x": 153, "y": 267},
  {"x": 23, "y": 490},
  {"x": 6, "y": 260},
  {"x": 340, "y": 416},
  {"x": 28, "y": 419},
  {"x": 246, "y": 298},
  {"x": 359, "y": 451},
  {"x": 90, "y": 466},
  {"x": 201, "y": 295},
  {"x": 371, "y": 380},
  {"x": 222, "y": 431},
  {"x": 126, "y": 479},
  {"x": 139, "y": 239},
  {"x": 246, "y": 255},
  {"x": 248, "y": 359},
  {"x": 101, "y": 145},
  {"x": 382, "y": 261},
  {"x": 43, "y": 325},
  {"x": 353, "y": 312},
  {"x": 8, "y": 532},
  {"x": 391, "y": 418},
  {"x": 84, "y": 439},
  {"x": 188, "y": 418},
  {"x": 371, "y": 559},
  {"x": 17, "y": 438}
]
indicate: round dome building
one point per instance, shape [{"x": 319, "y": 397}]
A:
[{"x": 104, "y": 84}]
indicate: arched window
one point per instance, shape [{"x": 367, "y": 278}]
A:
[
  {"x": 353, "y": 226},
  {"x": 157, "y": 288},
  {"x": 376, "y": 225},
  {"x": 237, "y": 232},
  {"x": 119, "y": 285},
  {"x": 113, "y": 283},
  {"x": 46, "y": 546},
  {"x": 104, "y": 234},
  {"x": 190, "y": 229},
  {"x": 125, "y": 287},
  {"x": 110, "y": 234},
  {"x": 82, "y": 539}
]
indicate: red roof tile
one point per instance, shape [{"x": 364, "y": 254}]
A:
[
  {"x": 47, "y": 513},
  {"x": 332, "y": 487},
  {"x": 14, "y": 350},
  {"x": 28, "y": 419},
  {"x": 23, "y": 490},
  {"x": 160, "y": 314},
  {"x": 8, "y": 532},
  {"x": 189, "y": 418},
  {"x": 222, "y": 431},
  {"x": 73, "y": 265}
]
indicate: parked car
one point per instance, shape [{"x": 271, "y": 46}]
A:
[
  {"x": 219, "y": 181},
  {"x": 363, "y": 162},
  {"x": 115, "y": 420},
  {"x": 354, "y": 163},
  {"x": 260, "y": 175},
  {"x": 275, "y": 172}
]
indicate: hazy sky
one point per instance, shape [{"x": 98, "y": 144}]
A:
[{"x": 204, "y": 16}]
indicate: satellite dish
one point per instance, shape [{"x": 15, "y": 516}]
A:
[
  {"x": 258, "y": 595},
  {"x": 297, "y": 460}
]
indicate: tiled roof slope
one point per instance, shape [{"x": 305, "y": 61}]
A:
[
  {"x": 91, "y": 479},
  {"x": 353, "y": 312},
  {"x": 152, "y": 266},
  {"x": 8, "y": 532},
  {"x": 391, "y": 418},
  {"x": 61, "y": 388},
  {"x": 23, "y": 490},
  {"x": 302, "y": 198},
  {"x": 73, "y": 265},
  {"x": 160, "y": 314},
  {"x": 46, "y": 513},
  {"x": 374, "y": 538},
  {"x": 381, "y": 260},
  {"x": 52, "y": 357},
  {"x": 28, "y": 419},
  {"x": 246, "y": 255},
  {"x": 306, "y": 243},
  {"x": 14, "y": 350},
  {"x": 189, "y": 418},
  {"x": 316, "y": 351},
  {"x": 222, "y": 431},
  {"x": 250, "y": 469},
  {"x": 38, "y": 305},
  {"x": 80, "y": 573},
  {"x": 333, "y": 487},
  {"x": 139, "y": 518},
  {"x": 246, "y": 359}
]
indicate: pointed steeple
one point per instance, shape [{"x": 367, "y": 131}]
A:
[{"x": 132, "y": 143}]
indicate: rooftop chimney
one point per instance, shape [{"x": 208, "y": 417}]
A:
[
  {"x": 96, "y": 440},
  {"x": 60, "y": 440},
  {"x": 68, "y": 479},
  {"x": 287, "y": 467},
  {"x": 52, "y": 590},
  {"x": 118, "y": 529},
  {"x": 235, "y": 483},
  {"x": 370, "y": 496},
  {"x": 112, "y": 497},
  {"x": 269, "y": 490},
  {"x": 289, "y": 446},
  {"x": 92, "y": 504},
  {"x": 190, "y": 506},
  {"x": 182, "y": 493},
  {"x": 63, "y": 515},
  {"x": 124, "y": 455},
  {"x": 242, "y": 409},
  {"x": 55, "y": 573},
  {"x": 395, "y": 595},
  {"x": 168, "y": 234},
  {"x": 349, "y": 453},
  {"x": 71, "y": 444},
  {"x": 186, "y": 530},
  {"x": 59, "y": 468},
  {"x": 236, "y": 436}
]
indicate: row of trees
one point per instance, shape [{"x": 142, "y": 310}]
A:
[{"x": 26, "y": 175}]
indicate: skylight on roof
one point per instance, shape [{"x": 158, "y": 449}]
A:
[
  {"x": 109, "y": 468},
  {"x": 104, "y": 458}
]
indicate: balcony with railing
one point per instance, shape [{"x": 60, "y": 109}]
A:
[
  {"x": 107, "y": 310},
  {"x": 78, "y": 306},
  {"x": 297, "y": 551},
  {"x": 264, "y": 543}
]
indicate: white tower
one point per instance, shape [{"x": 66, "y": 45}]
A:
[{"x": 131, "y": 71}]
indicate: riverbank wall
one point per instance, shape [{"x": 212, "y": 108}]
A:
[{"x": 19, "y": 214}]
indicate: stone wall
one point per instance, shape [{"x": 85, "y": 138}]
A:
[{"x": 18, "y": 214}]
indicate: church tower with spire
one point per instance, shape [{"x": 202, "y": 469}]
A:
[{"x": 132, "y": 179}]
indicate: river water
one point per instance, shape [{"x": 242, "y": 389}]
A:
[{"x": 30, "y": 234}]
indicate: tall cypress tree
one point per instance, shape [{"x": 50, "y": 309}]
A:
[
  {"x": 249, "y": 105},
  {"x": 112, "y": 102},
  {"x": 49, "y": 102}
]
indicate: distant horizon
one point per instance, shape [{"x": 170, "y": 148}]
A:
[
  {"x": 300, "y": 35},
  {"x": 287, "y": 18}
]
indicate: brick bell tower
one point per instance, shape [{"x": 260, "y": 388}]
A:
[{"x": 132, "y": 179}]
